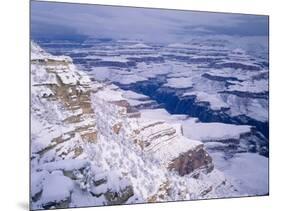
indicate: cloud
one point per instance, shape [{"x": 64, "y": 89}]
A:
[{"x": 49, "y": 19}]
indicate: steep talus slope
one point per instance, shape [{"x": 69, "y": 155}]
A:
[{"x": 90, "y": 148}]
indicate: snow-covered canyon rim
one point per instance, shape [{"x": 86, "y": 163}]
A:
[
  {"x": 210, "y": 79},
  {"x": 133, "y": 122}
]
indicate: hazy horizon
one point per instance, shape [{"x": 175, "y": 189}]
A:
[{"x": 52, "y": 20}]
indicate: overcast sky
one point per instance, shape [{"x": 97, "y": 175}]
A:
[{"x": 58, "y": 20}]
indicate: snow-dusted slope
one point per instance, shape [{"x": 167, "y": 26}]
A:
[
  {"x": 90, "y": 147},
  {"x": 233, "y": 149}
]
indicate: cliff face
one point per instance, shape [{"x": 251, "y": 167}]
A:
[{"x": 90, "y": 147}]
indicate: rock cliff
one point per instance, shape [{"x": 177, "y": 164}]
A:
[{"x": 90, "y": 147}]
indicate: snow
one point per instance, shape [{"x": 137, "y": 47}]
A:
[
  {"x": 108, "y": 58},
  {"x": 116, "y": 75},
  {"x": 179, "y": 83},
  {"x": 65, "y": 165},
  {"x": 84, "y": 79},
  {"x": 228, "y": 72},
  {"x": 56, "y": 188},
  {"x": 81, "y": 198},
  {"x": 133, "y": 95},
  {"x": 238, "y": 51},
  {"x": 37, "y": 53},
  {"x": 140, "y": 102},
  {"x": 101, "y": 73},
  {"x": 152, "y": 70},
  {"x": 68, "y": 78},
  {"x": 37, "y": 178},
  {"x": 129, "y": 78},
  {"x": 169, "y": 145},
  {"x": 248, "y": 172},
  {"x": 254, "y": 108},
  {"x": 216, "y": 102},
  {"x": 254, "y": 86},
  {"x": 117, "y": 157},
  {"x": 42, "y": 132},
  {"x": 155, "y": 114},
  {"x": 138, "y": 45},
  {"x": 143, "y": 172},
  {"x": 193, "y": 129},
  {"x": 109, "y": 95},
  {"x": 177, "y": 45},
  {"x": 171, "y": 150},
  {"x": 43, "y": 91},
  {"x": 135, "y": 99},
  {"x": 214, "y": 131},
  {"x": 41, "y": 76}
]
